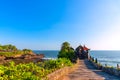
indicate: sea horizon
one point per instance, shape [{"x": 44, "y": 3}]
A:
[{"x": 110, "y": 57}]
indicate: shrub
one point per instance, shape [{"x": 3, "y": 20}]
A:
[
  {"x": 66, "y": 51},
  {"x": 56, "y": 64},
  {"x": 31, "y": 71}
]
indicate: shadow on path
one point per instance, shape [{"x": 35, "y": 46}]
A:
[
  {"x": 107, "y": 76},
  {"x": 86, "y": 71}
]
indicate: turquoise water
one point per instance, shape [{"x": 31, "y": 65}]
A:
[{"x": 111, "y": 58}]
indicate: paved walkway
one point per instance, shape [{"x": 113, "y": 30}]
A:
[{"x": 86, "y": 71}]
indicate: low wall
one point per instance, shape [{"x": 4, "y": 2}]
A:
[
  {"x": 107, "y": 69},
  {"x": 58, "y": 74}
]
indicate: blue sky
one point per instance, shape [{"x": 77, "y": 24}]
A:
[{"x": 45, "y": 24}]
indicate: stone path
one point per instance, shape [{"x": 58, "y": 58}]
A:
[{"x": 86, "y": 71}]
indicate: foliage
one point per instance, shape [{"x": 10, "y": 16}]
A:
[
  {"x": 21, "y": 72},
  {"x": 66, "y": 51},
  {"x": 11, "y": 50},
  {"x": 26, "y": 51},
  {"x": 56, "y": 64},
  {"x": 8, "y": 48},
  {"x": 31, "y": 71},
  {"x": 8, "y": 54}
]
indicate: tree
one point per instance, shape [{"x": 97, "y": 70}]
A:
[
  {"x": 5, "y": 47},
  {"x": 66, "y": 51},
  {"x": 13, "y": 48},
  {"x": 10, "y": 48},
  {"x": 27, "y": 51}
]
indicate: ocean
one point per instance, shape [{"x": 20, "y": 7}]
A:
[
  {"x": 49, "y": 54},
  {"x": 111, "y": 58}
]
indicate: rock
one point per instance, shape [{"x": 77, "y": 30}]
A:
[
  {"x": 11, "y": 57},
  {"x": 2, "y": 57},
  {"x": 33, "y": 56}
]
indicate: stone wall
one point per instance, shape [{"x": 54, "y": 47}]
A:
[
  {"x": 58, "y": 74},
  {"x": 107, "y": 69}
]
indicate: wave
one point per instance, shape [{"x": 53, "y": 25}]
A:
[
  {"x": 109, "y": 61},
  {"x": 49, "y": 58}
]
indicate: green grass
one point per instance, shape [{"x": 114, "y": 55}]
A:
[{"x": 8, "y": 54}]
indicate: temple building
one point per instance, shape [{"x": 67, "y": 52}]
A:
[{"x": 81, "y": 52}]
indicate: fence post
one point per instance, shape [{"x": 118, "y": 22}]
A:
[
  {"x": 105, "y": 65},
  {"x": 93, "y": 59},
  {"x": 90, "y": 58},
  {"x": 96, "y": 61},
  {"x": 118, "y": 66}
]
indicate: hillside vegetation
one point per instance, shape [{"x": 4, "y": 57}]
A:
[
  {"x": 11, "y": 50},
  {"x": 34, "y": 71}
]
